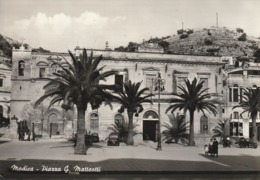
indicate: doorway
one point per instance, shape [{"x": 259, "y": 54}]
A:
[{"x": 150, "y": 130}]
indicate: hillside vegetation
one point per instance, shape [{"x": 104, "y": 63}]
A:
[
  {"x": 214, "y": 41},
  {"x": 7, "y": 44}
]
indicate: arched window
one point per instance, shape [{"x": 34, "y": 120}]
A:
[
  {"x": 233, "y": 93},
  {"x": 94, "y": 123},
  {"x": 21, "y": 66},
  {"x": 204, "y": 124},
  {"x": 119, "y": 117},
  {"x": 150, "y": 115}
]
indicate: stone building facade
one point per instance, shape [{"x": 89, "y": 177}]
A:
[
  {"x": 239, "y": 75},
  {"x": 30, "y": 68},
  {"x": 5, "y": 87}
]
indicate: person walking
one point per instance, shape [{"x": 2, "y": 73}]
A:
[{"x": 215, "y": 147}]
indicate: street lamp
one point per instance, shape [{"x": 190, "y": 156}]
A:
[{"x": 159, "y": 86}]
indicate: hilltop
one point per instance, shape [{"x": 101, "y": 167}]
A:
[{"x": 213, "y": 41}]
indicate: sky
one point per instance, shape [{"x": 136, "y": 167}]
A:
[{"x": 61, "y": 25}]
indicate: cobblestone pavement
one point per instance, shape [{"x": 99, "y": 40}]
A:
[{"x": 57, "y": 156}]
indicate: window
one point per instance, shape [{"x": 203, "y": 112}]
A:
[
  {"x": 1, "y": 82},
  {"x": 119, "y": 118},
  {"x": 181, "y": 82},
  {"x": 42, "y": 73},
  {"x": 54, "y": 68},
  {"x": 205, "y": 84},
  {"x": 236, "y": 129},
  {"x": 204, "y": 124},
  {"x": 94, "y": 123},
  {"x": 233, "y": 93},
  {"x": 235, "y": 115},
  {"x": 150, "y": 78},
  {"x": 119, "y": 79},
  {"x": 21, "y": 66}
]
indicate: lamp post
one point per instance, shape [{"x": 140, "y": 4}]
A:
[{"x": 159, "y": 86}]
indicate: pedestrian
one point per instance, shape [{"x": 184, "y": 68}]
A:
[
  {"x": 206, "y": 148},
  {"x": 215, "y": 147},
  {"x": 211, "y": 147}
]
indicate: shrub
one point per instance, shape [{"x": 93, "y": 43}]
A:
[
  {"x": 242, "y": 37},
  {"x": 180, "y": 31},
  {"x": 208, "y": 41},
  {"x": 240, "y": 30},
  {"x": 189, "y": 31},
  {"x": 184, "y": 35}
]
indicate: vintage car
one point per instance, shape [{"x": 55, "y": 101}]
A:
[
  {"x": 113, "y": 140},
  {"x": 246, "y": 142}
]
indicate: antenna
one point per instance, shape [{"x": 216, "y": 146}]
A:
[
  {"x": 182, "y": 25},
  {"x": 217, "y": 19}
]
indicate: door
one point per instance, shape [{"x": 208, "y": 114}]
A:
[
  {"x": 54, "y": 129},
  {"x": 149, "y": 130}
]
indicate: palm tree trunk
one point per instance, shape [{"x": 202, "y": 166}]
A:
[
  {"x": 130, "y": 137},
  {"x": 81, "y": 131},
  {"x": 254, "y": 127},
  {"x": 191, "y": 138}
]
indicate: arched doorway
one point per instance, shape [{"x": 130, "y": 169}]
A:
[
  {"x": 204, "y": 124},
  {"x": 150, "y": 125},
  {"x": 55, "y": 127}
]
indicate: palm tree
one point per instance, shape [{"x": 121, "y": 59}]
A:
[
  {"x": 192, "y": 97},
  {"x": 220, "y": 129},
  {"x": 121, "y": 128},
  {"x": 177, "y": 129},
  {"x": 251, "y": 103},
  {"x": 79, "y": 85},
  {"x": 131, "y": 98}
]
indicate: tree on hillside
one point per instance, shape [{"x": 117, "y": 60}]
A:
[
  {"x": 131, "y": 99},
  {"x": 192, "y": 97},
  {"x": 79, "y": 85},
  {"x": 251, "y": 103}
]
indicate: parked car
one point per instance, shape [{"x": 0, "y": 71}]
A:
[
  {"x": 88, "y": 139},
  {"x": 113, "y": 140},
  {"x": 226, "y": 142},
  {"x": 246, "y": 142},
  {"x": 95, "y": 137}
]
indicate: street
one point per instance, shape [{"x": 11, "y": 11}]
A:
[{"x": 45, "y": 157}]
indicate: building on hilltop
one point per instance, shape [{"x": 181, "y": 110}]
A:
[{"x": 30, "y": 68}]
